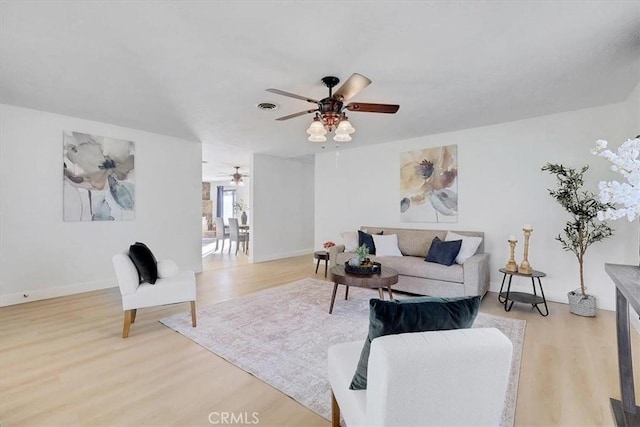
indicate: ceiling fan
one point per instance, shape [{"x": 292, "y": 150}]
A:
[
  {"x": 330, "y": 111},
  {"x": 236, "y": 177}
]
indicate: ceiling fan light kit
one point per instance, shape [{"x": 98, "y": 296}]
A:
[
  {"x": 330, "y": 114},
  {"x": 236, "y": 177}
]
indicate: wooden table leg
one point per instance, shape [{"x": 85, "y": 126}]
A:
[
  {"x": 346, "y": 293},
  {"x": 380, "y": 293},
  {"x": 333, "y": 297},
  {"x": 326, "y": 261},
  {"x": 318, "y": 265},
  {"x": 390, "y": 294},
  {"x": 335, "y": 411}
]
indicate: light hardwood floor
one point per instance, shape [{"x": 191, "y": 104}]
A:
[{"x": 63, "y": 362}]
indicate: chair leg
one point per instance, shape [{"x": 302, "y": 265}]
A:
[
  {"x": 193, "y": 314},
  {"x": 127, "y": 323},
  {"x": 335, "y": 411},
  {"x": 133, "y": 315}
]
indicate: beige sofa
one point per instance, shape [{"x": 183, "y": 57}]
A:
[{"x": 427, "y": 278}]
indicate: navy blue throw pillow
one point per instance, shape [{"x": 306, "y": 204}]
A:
[
  {"x": 444, "y": 253},
  {"x": 367, "y": 239},
  {"x": 413, "y": 315},
  {"x": 144, "y": 261}
]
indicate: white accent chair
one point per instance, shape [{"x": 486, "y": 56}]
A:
[
  {"x": 173, "y": 286},
  {"x": 439, "y": 378}
]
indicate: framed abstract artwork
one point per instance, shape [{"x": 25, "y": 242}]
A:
[
  {"x": 429, "y": 185},
  {"x": 99, "y": 179}
]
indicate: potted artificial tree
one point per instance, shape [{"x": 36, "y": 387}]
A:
[{"x": 582, "y": 230}]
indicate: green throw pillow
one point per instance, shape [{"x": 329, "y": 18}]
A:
[{"x": 413, "y": 315}]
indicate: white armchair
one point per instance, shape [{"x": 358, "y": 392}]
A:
[
  {"x": 172, "y": 287},
  {"x": 456, "y": 377}
]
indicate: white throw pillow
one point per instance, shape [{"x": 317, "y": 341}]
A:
[
  {"x": 350, "y": 240},
  {"x": 386, "y": 245},
  {"x": 167, "y": 268},
  {"x": 469, "y": 245}
]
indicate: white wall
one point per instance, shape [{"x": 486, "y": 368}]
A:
[
  {"x": 633, "y": 112},
  {"x": 282, "y": 208},
  {"x": 633, "y": 117},
  {"x": 42, "y": 256},
  {"x": 501, "y": 188}
]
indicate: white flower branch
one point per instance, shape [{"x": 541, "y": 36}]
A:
[{"x": 624, "y": 195}]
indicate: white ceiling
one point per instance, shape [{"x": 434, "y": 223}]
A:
[{"x": 196, "y": 70}]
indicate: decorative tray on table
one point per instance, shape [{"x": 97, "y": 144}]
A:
[{"x": 367, "y": 268}]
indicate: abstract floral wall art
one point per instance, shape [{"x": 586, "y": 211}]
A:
[
  {"x": 99, "y": 180},
  {"x": 429, "y": 185}
]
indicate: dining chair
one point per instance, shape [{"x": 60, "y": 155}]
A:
[
  {"x": 220, "y": 233},
  {"x": 236, "y": 236}
]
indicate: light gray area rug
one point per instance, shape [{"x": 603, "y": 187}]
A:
[{"x": 281, "y": 335}]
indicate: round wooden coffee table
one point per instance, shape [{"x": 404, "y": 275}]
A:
[{"x": 387, "y": 278}]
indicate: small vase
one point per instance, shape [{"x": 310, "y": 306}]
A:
[{"x": 243, "y": 218}]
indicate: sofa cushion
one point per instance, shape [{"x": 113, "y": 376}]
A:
[
  {"x": 416, "y": 242},
  {"x": 386, "y": 245},
  {"x": 350, "y": 240},
  {"x": 417, "y": 267},
  {"x": 413, "y": 315},
  {"x": 469, "y": 246},
  {"x": 366, "y": 239},
  {"x": 444, "y": 252}
]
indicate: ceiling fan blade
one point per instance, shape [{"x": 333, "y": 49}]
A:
[
  {"x": 351, "y": 87},
  {"x": 372, "y": 108},
  {"x": 292, "y": 95},
  {"x": 291, "y": 116}
]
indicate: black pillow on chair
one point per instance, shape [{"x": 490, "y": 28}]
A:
[{"x": 144, "y": 261}]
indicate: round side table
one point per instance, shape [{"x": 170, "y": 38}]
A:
[
  {"x": 322, "y": 255},
  {"x": 523, "y": 297}
]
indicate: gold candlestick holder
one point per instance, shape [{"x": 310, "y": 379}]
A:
[
  {"x": 511, "y": 264},
  {"x": 525, "y": 267}
]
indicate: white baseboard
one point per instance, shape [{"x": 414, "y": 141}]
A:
[
  {"x": 272, "y": 257},
  {"x": 58, "y": 291}
]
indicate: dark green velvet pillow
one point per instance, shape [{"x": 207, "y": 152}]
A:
[{"x": 413, "y": 315}]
